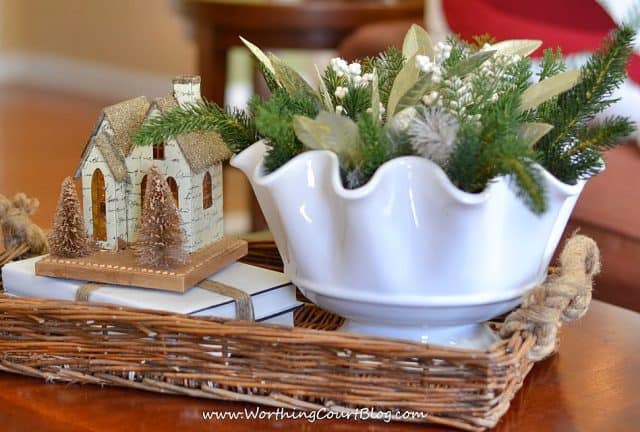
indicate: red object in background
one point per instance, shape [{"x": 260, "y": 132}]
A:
[{"x": 574, "y": 25}]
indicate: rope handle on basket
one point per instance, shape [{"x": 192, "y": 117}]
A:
[{"x": 563, "y": 297}]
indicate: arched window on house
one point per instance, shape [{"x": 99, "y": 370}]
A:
[
  {"x": 98, "y": 205},
  {"x": 158, "y": 151},
  {"x": 207, "y": 199},
  {"x": 143, "y": 191},
  {"x": 174, "y": 190}
]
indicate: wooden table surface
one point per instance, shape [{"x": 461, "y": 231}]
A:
[{"x": 593, "y": 384}]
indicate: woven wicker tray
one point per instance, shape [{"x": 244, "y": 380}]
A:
[{"x": 308, "y": 367}]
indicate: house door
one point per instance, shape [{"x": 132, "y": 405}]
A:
[
  {"x": 99, "y": 206},
  {"x": 173, "y": 186},
  {"x": 143, "y": 192}
]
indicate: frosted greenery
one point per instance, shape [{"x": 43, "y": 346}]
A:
[{"x": 473, "y": 108}]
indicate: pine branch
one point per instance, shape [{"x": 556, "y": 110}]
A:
[
  {"x": 551, "y": 64},
  {"x": 520, "y": 73},
  {"x": 459, "y": 52},
  {"x": 579, "y": 167},
  {"x": 274, "y": 121},
  {"x": 581, "y": 159},
  {"x": 602, "y": 136},
  {"x": 387, "y": 65},
  {"x": 374, "y": 148},
  {"x": 492, "y": 148},
  {"x": 465, "y": 161},
  {"x": 569, "y": 113},
  {"x": 236, "y": 127},
  {"x": 332, "y": 81},
  {"x": 357, "y": 101},
  {"x": 528, "y": 180}
]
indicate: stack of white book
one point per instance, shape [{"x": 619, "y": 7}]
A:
[{"x": 273, "y": 297}]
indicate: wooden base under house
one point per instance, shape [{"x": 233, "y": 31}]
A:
[{"x": 121, "y": 268}]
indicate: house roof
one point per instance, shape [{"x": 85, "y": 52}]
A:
[
  {"x": 124, "y": 118},
  {"x": 200, "y": 149},
  {"x": 112, "y": 155}
]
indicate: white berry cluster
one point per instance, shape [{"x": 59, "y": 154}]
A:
[
  {"x": 341, "y": 92},
  {"x": 441, "y": 52},
  {"x": 459, "y": 95},
  {"x": 426, "y": 64},
  {"x": 496, "y": 70},
  {"x": 456, "y": 94},
  {"x": 496, "y": 67},
  {"x": 353, "y": 71},
  {"x": 453, "y": 94},
  {"x": 354, "y": 76}
]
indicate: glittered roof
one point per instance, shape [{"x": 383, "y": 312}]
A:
[
  {"x": 115, "y": 144},
  {"x": 201, "y": 150},
  {"x": 125, "y": 118},
  {"x": 112, "y": 155}
]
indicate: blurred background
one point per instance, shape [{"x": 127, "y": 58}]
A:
[{"x": 62, "y": 61}]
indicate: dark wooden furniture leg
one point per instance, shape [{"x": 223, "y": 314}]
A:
[{"x": 212, "y": 63}]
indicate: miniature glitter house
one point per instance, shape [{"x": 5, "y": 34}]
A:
[{"x": 113, "y": 172}]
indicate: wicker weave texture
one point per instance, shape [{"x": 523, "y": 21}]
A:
[
  {"x": 307, "y": 367},
  {"x": 266, "y": 364}
]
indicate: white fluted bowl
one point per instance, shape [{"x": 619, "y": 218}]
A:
[{"x": 408, "y": 254}]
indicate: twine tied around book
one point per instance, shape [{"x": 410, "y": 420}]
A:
[
  {"x": 244, "y": 305},
  {"x": 84, "y": 291},
  {"x": 563, "y": 297}
]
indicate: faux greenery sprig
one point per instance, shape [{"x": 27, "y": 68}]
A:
[
  {"x": 469, "y": 107},
  {"x": 274, "y": 121},
  {"x": 571, "y": 151},
  {"x": 237, "y": 127}
]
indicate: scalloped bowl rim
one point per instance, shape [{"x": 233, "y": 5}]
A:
[{"x": 368, "y": 188}]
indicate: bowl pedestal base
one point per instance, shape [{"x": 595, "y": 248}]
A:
[{"x": 470, "y": 336}]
